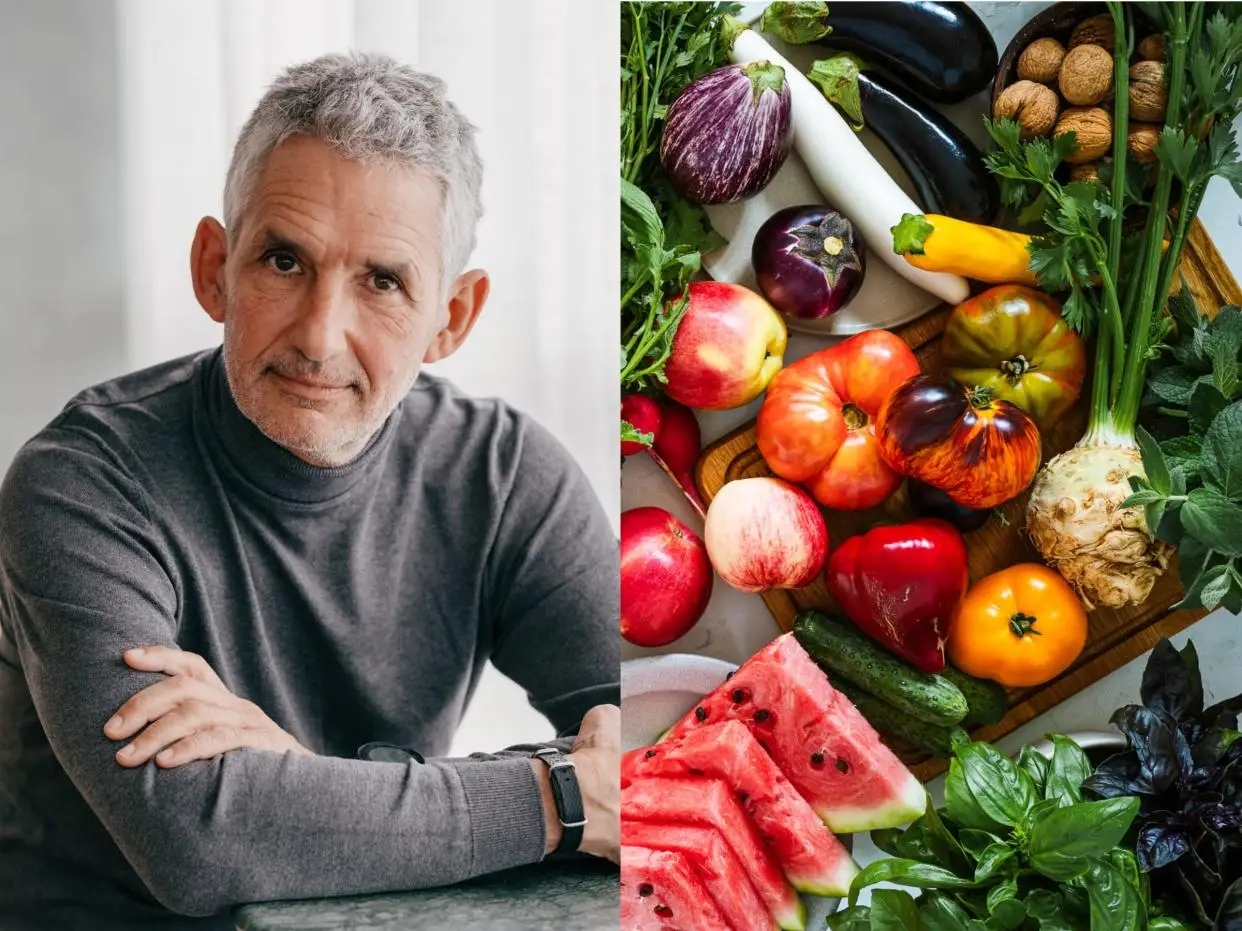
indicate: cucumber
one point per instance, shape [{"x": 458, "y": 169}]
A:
[
  {"x": 930, "y": 738},
  {"x": 842, "y": 648},
  {"x": 988, "y": 700}
]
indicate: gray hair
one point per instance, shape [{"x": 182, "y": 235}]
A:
[{"x": 368, "y": 108}]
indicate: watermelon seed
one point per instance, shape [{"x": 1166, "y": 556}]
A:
[
  {"x": 645, "y": 890},
  {"x": 762, "y": 715},
  {"x": 649, "y": 754},
  {"x": 697, "y": 772},
  {"x": 817, "y": 759},
  {"x": 843, "y": 765},
  {"x": 739, "y": 696},
  {"x": 664, "y": 911},
  {"x": 743, "y": 797},
  {"x": 728, "y": 676},
  {"x": 700, "y": 713}
]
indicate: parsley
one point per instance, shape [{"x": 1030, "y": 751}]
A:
[{"x": 664, "y": 47}]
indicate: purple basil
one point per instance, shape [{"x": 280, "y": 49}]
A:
[{"x": 728, "y": 133}]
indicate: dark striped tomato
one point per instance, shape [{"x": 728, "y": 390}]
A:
[{"x": 978, "y": 450}]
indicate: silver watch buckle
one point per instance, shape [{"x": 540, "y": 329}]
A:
[
  {"x": 574, "y": 824},
  {"x": 560, "y": 764}
]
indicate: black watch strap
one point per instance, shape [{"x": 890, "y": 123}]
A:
[{"x": 568, "y": 798}]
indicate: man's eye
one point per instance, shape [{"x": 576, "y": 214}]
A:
[
  {"x": 282, "y": 262},
  {"x": 386, "y": 283}
]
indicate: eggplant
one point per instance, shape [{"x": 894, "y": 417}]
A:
[
  {"x": 945, "y": 167},
  {"x": 809, "y": 261},
  {"x": 727, "y": 134},
  {"x": 928, "y": 501},
  {"x": 942, "y": 51}
]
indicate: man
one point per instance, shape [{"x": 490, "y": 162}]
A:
[{"x": 222, "y": 576}]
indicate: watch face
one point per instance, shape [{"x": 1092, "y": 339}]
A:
[{"x": 387, "y": 753}]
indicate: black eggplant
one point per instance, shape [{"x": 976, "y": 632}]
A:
[
  {"x": 945, "y": 167},
  {"x": 942, "y": 51}
]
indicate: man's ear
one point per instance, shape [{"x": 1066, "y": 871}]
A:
[
  {"x": 208, "y": 253},
  {"x": 465, "y": 303}
]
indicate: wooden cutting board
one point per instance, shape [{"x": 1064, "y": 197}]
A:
[{"x": 1115, "y": 636}]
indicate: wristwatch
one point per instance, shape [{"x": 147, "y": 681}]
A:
[{"x": 568, "y": 799}]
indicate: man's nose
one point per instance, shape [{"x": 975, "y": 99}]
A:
[{"x": 325, "y": 315}]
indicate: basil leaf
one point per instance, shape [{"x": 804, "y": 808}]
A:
[
  {"x": 888, "y": 840},
  {"x": 976, "y": 842},
  {"x": 1047, "y": 907},
  {"x": 1036, "y": 766},
  {"x": 1165, "y": 923},
  {"x": 940, "y": 840},
  {"x": 1061, "y": 843},
  {"x": 1007, "y": 889},
  {"x": 1229, "y": 917},
  {"x": 961, "y": 805},
  {"x": 857, "y": 918},
  {"x": 993, "y": 861},
  {"x": 1007, "y": 913},
  {"x": 894, "y": 910},
  {"x": 1126, "y": 863},
  {"x": 1172, "y": 683},
  {"x": 1002, "y": 790},
  {"x": 1160, "y": 844},
  {"x": 940, "y": 913},
  {"x": 1038, "y": 812},
  {"x": 1222, "y": 451},
  {"x": 1115, "y": 904},
  {"x": 1154, "y": 742},
  {"x": 1066, "y": 771},
  {"x": 1120, "y": 774},
  {"x": 907, "y": 873}
]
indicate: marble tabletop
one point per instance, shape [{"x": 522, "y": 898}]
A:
[{"x": 577, "y": 895}]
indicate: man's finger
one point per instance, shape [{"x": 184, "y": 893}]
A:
[
  {"x": 155, "y": 701},
  {"x": 205, "y": 744},
  {"x": 172, "y": 661},
  {"x": 188, "y": 718}
]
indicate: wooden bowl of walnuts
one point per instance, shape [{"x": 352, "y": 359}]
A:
[{"x": 1057, "y": 76}]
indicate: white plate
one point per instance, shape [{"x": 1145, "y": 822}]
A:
[
  {"x": 885, "y": 299},
  {"x": 656, "y": 691}
]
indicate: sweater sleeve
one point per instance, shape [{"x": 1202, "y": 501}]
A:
[
  {"x": 555, "y": 577},
  {"x": 81, "y": 580}
]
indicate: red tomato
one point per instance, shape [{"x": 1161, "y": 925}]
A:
[{"x": 817, "y": 423}]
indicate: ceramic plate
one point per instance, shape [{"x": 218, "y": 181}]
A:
[{"x": 656, "y": 691}]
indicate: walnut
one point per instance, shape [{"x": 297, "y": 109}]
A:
[
  {"x": 1098, "y": 30},
  {"x": 1089, "y": 171},
  {"x": 1086, "y": 75},
  {"x": 1093, "y": 129},
  {"x": 1148, "y": 96},
  {"x": 1032, "y": 105},
  {"x": 1141, "y": 142},
  {"x": 1041, "y": 61},
  {"x": 1152, "y": 48}
]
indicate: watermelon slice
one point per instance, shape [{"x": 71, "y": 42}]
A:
[
  {"x": 810, "y": 856},
  {"x": 660, "y": 891},
  {"x": 709, "y": 803},
  {"x": 821, "y": 742},
  {"x": 722, "y": 873}
]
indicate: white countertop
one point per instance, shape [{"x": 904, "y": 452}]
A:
[{"x": 736, "y": 625}]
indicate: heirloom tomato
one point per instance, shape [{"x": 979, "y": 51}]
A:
[
  {"x": 1013, "y": 341},
  {"x": 979, "y": 451},
  {"x": 817, "y": 423}
]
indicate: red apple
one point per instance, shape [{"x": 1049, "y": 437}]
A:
[
  {"x": 728, "y": 346},
  {"x": 764, "y": 533},
  {"x": 643, "y": 413},
  {"x": 666, "y": 578}
]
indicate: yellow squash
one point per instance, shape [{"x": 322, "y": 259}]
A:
[{"x": 942, "y": 244}]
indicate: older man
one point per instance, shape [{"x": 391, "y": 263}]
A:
[{"x": 234, "y": 586}]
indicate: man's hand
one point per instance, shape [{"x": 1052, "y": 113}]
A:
[
  {"x": 190, "y": 715},
  {"x": 596, "y": 756}
]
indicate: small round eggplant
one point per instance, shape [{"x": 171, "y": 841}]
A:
[
  {"x": 809, "y": 261},
  {"x": 728, "y": 133},
  {"x": 929, "y": 501}
]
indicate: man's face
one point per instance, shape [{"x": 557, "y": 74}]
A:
[{"x": 331, "y": 297}]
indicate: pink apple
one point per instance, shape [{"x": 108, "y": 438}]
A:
[
  {"x": 728, "y": 346},
  {"x": 764, "y": 533},
  {"x": 666, "y": 578}
]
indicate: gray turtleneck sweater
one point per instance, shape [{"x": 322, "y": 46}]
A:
[{"x": 352, "y": 604}]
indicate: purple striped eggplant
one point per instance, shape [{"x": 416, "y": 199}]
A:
[{"x": 728, "y": 133}]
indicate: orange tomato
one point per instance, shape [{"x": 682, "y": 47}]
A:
[{"x": 1020, "y": 626}]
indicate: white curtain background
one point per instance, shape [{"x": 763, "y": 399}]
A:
[{"x": 535, "y": 77}]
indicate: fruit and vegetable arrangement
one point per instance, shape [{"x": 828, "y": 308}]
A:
[{"x": 1055, "y": 251}]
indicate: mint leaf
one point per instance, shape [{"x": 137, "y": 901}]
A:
[
  {"x": 1206, "y": 402},
  {"x": 1174, "y": 385},
  {"x": 1214, "y": 585},
  {"x": 1214, "y": 520},
  {"x": 1222, "y": 453},
  {"x": 1153, "y": 462}
]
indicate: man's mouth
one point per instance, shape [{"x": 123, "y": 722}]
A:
[{"x": 310, "y": 387}]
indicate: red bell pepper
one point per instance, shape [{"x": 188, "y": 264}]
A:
[{"x": 900, "y": 585}]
